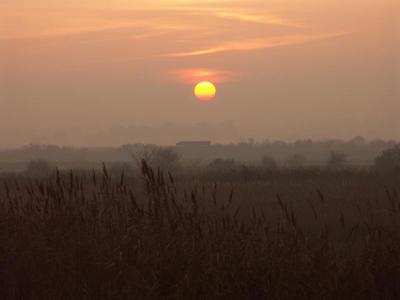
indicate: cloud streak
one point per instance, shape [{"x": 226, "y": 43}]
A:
[
  {"x": 256, "y": 18},
  {"x": 257, "y": 44}
]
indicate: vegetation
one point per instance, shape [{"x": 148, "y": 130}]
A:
[
  {"x": 39, "y": 168},
  {"x": 164, "y": 158},
  {"x": 269, "y": 163},
  {"x": 358, "y": 152},
  {"x": 389, "y": 160},
  {"x": 336, "y": 161},
  {"x": 296, "y": 162},
  {"x": 313, "y": 234},
  {"x": 224, "y": 165}
]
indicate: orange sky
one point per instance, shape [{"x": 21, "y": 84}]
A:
[{"x": 285, "y": 69}]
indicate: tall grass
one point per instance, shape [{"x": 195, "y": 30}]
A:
[{"x": 94, "y": 236}]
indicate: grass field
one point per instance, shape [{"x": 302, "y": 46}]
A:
[{"x": 274, "y": 235}]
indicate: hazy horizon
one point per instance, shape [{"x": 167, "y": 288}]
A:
[
  {"x": 287, "y": 70},
  {"x": 115, "y": 136}
]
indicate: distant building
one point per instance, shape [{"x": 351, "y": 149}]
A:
[{"x": 194, "y": 144}]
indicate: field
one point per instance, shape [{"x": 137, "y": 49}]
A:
[{"x": 307, "y": 234}]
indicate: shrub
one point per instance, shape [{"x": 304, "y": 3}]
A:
[{"x": 221, "y": 164}]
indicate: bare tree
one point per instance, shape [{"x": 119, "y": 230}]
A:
[{"x": 164, "y": 158}]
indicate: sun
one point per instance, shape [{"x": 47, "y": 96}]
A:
[{"x": 205, "y": 91}]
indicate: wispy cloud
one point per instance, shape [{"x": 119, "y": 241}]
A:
[
  {"x": 257, "y": 44},
  {"x": 265, "y": 19}
]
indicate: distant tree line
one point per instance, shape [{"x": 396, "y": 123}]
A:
[
  {"x": 334, "y": 154},
  {"x": 167, "y": 159}
]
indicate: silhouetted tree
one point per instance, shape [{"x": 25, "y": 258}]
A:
[
  {"x": 358, "y": 140},
  {"x": 165, "y": 158},
  {"x": 158, "y": 157},
  {"x": 296, "y": 161},
  {"x": 389, "y": 160},
  {"x": 336, "y": 161}
]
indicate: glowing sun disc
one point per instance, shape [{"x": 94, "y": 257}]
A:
[{"x": 205, "y": 91}]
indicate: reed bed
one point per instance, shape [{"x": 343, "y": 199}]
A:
[{"x": 94, "y": 236}]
